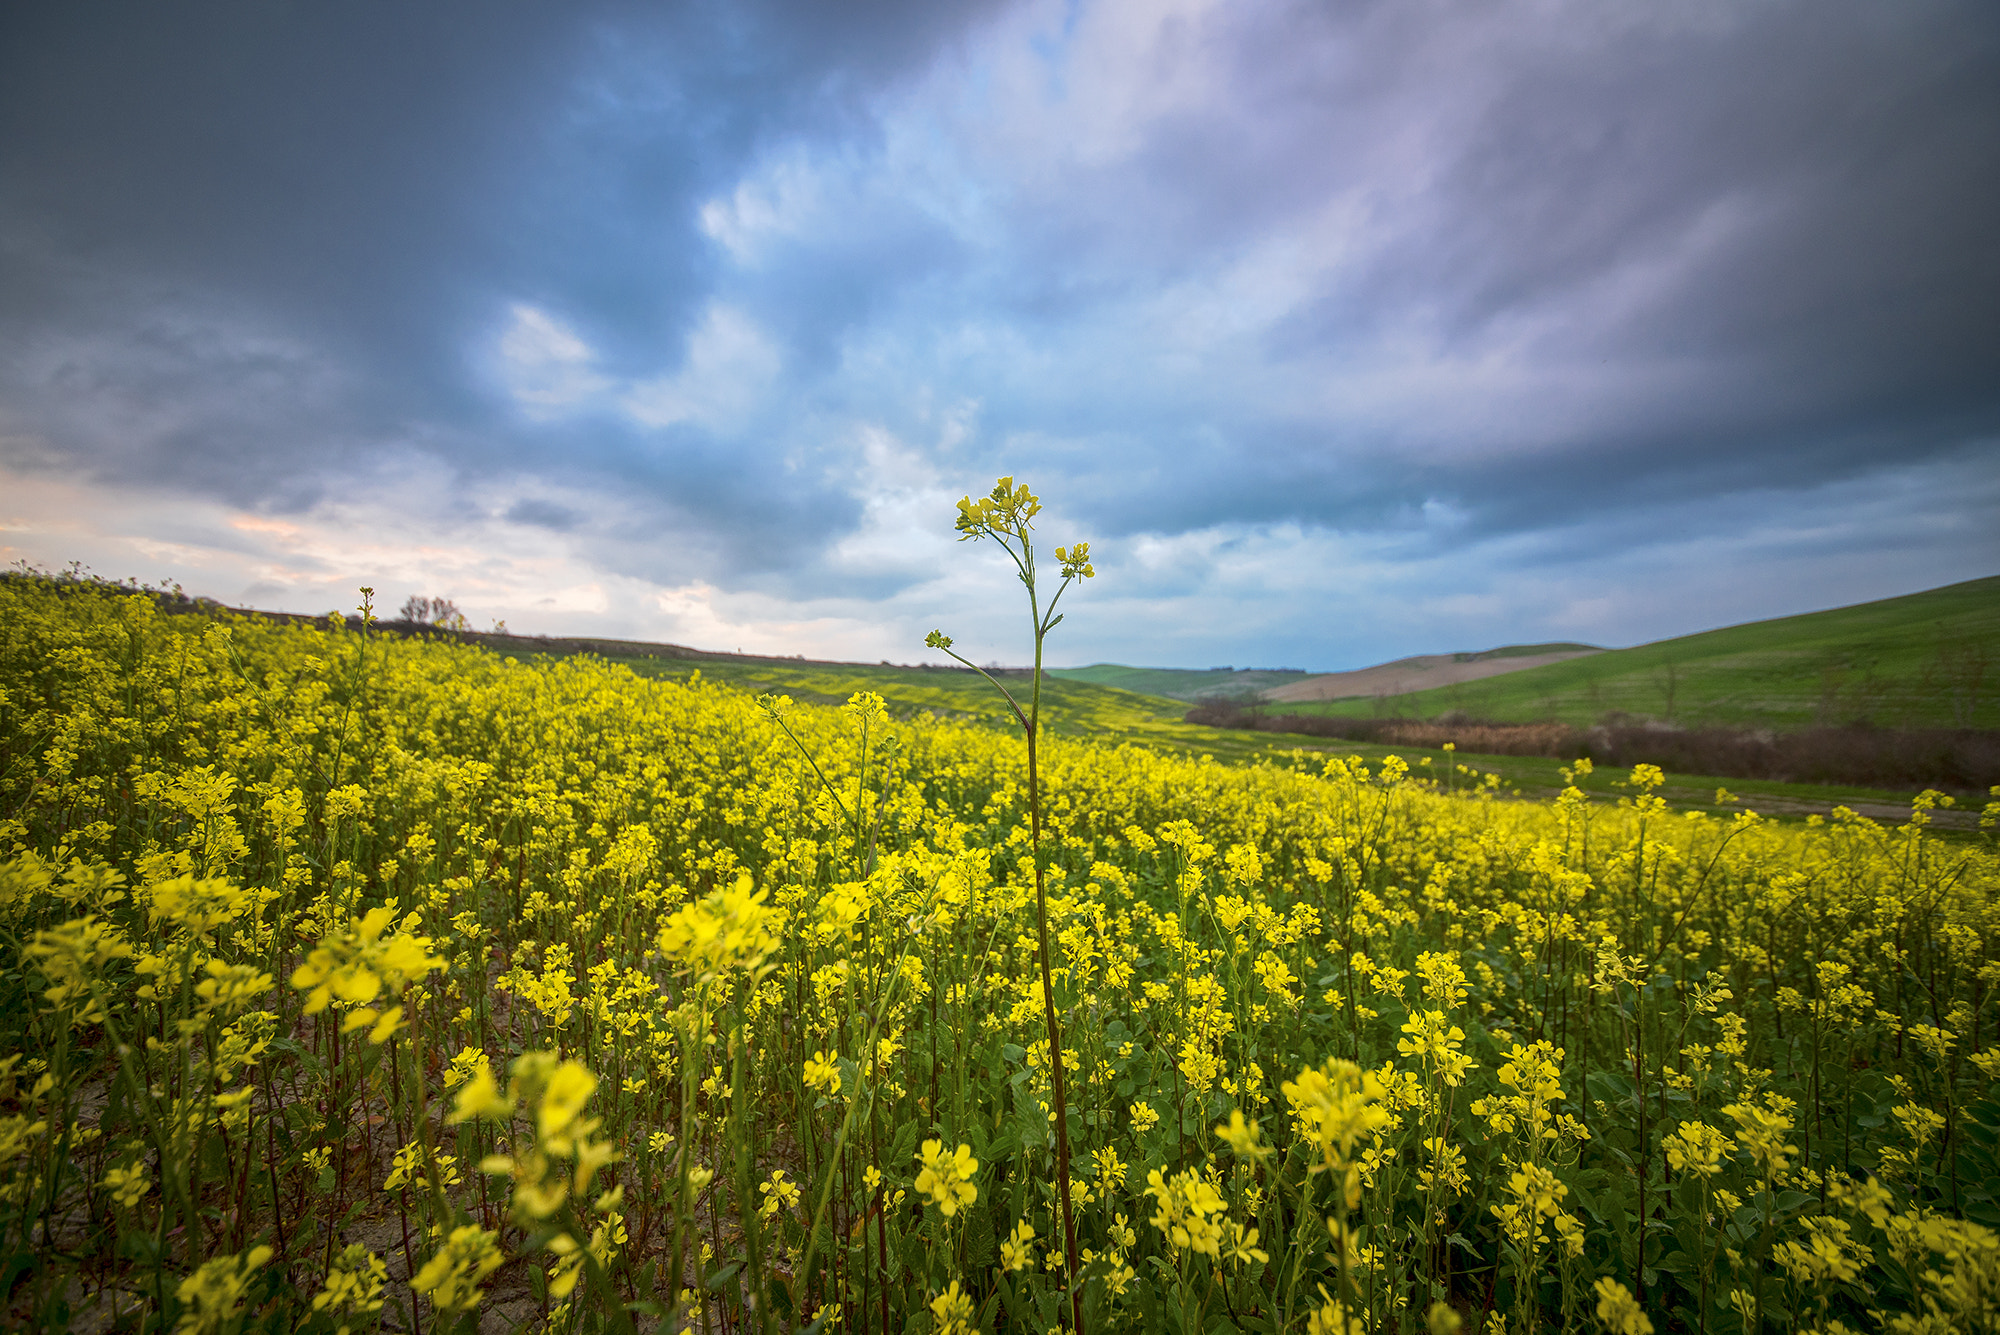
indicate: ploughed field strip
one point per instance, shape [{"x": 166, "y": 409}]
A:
[{"x": 355, "y": 980}]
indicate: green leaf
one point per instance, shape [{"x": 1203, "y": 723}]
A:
[
  {"x": 1148, "y": 1304},
  {"x": 911, "y": 1252},
  {"x": 903, "y": 1148},
  {"x": 13, "y": 1266}
]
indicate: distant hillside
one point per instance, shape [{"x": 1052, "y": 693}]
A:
[
  {"x": 1426, "y": 671},
  {"x": 1923, "y": 660},
  {"x": 1075, "y": 708},
  {"x": 1072, "y": 707},
  {"x": 1182, "y": 683}
]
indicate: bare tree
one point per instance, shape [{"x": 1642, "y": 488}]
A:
[
  {"x": 1667, "y": 680},
  {"x": 442, "y": 613}
]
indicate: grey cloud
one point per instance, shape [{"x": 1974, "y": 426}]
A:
[
  {"x": 1554, "y": 261},
  {"x": 1734, "y": 246},
  {"x": 543, "y": 514}
]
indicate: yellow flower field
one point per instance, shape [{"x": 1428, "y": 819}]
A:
[{"x": 352, "y": 981}]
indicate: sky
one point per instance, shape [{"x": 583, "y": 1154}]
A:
[{"x": 1341, "y": 331}]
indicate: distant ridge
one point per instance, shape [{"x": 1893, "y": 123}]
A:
[{"x": 1291, "y": 684}]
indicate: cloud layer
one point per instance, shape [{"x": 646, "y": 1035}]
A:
[{"x": 1342, "y": 332}]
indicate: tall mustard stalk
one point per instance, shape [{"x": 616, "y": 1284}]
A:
[{"x": 1007, "y": 516}]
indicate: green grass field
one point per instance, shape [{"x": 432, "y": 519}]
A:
[{"x": 1925, "y": 660}]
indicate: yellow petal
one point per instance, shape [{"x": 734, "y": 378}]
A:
[{"x": 391, "y": 1020}]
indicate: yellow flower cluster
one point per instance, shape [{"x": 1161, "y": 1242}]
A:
[
  {"x": 1188, "y": 1210},
  {"x": 355, "y": 963},
  {"x": 947, "y": 1177},
  {"x": 729, "y": 930}
]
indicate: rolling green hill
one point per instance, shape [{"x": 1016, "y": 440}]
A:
[
  {"x": 1181, "y": 683},
  {"x": 1071, "y": 706},
  {"x": 1923, "y": 660}
]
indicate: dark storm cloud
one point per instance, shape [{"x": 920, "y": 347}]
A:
[
  {"x": 246, "y": 245},
  {"x": 1666, "y": 248},
  {"x": 1448, "y": 275}
]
